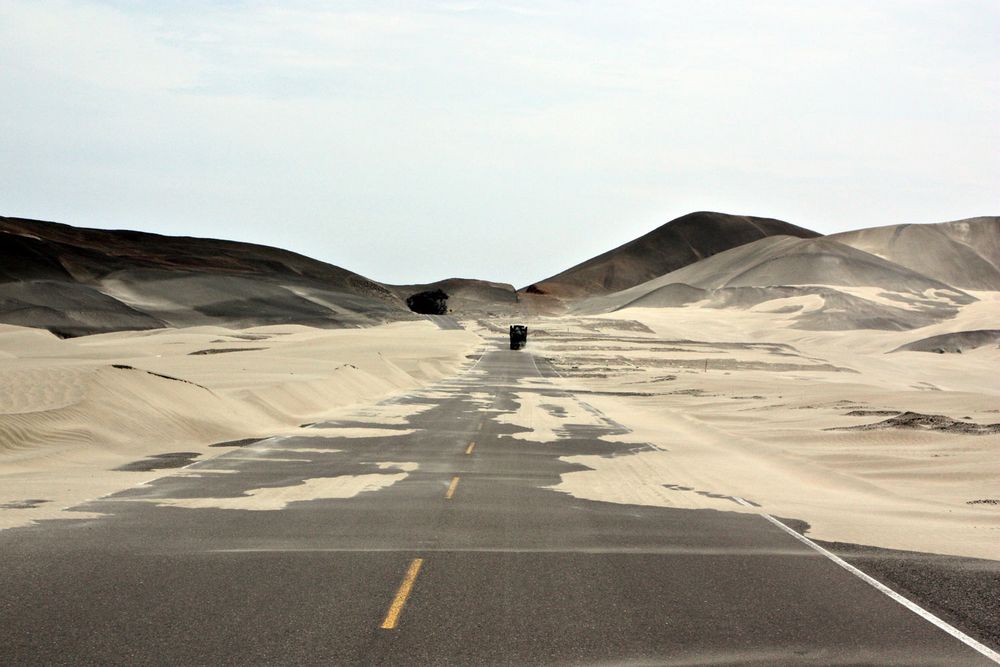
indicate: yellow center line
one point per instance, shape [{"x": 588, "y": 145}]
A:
[
  {"x": 451, "y": 488},
  {"x": 468, "y": 450},
  {"x": 396, "y": 608}
]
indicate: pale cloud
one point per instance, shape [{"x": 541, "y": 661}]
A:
[
  {"x": 89, "y": 43},
  {"x": 416, "y": 140}
]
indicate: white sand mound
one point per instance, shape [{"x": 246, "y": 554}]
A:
[
  {"x": 963, "y": 253},
  {"x": 104, "y": 406}
]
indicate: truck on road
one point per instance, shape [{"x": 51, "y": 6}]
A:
[{"x": 518, "y": 336}]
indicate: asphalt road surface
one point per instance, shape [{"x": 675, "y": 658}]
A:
[
  {"x": 469, "y": 559},
  {"x": 444, "y": 321}
]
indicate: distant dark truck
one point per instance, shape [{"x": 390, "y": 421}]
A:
[{"x": 518, "y": 336}]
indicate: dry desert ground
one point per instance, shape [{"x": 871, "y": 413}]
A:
[{"x": 717, "y": 402}]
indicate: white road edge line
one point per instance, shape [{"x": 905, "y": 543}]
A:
[
  {"x": 532, "y": 357},
  {"x": 537, "y": 370},
  {"x": 481, "y": 355},
  {"x": 878, "y": 585},
  {"x": 871, "y": 581}
]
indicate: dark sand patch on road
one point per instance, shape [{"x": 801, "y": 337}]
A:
[
  {"x": 160, "y": 462},
  {"x": 26, "y": 504},
  {"x": 245, "y": 442}
]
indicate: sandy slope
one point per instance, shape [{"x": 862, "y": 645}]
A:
[
  {"x": 737, "y": 402},
  {"x": 827, "y": 285},
  {"x": 73, "y": 410},
  {"x": 76, "y": 281},
  {"x": 963, "y": 253},
  {"x": 678, "y": 243}
]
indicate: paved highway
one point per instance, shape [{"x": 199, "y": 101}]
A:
[{"x": 468, "y": 559}]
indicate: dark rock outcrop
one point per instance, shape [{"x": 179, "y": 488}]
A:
[
  {"x": 466, "y": 296},
  {"x": 953, "y": 343},
  {"x": 433, "y": 302}
]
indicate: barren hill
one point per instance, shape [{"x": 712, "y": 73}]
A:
[
  {"x": 831, "y": 286},
  {"x": 676, "y": 244},
  {"x": 75, "y": 281},
  {"x": 963, "y": 253},
  {"x": 784, "y": 260}
]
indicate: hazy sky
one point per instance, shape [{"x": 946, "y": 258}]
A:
[{"x": 412, "y": 141}]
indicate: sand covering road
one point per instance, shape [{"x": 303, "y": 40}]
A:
[
  {"x": 736, "y": 402},
  {"x": 742, "y": 374},
  {"x": 71, "y": 411}
]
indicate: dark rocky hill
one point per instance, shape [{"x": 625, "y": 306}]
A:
[
  {"x": 676, "y": 244},
  {"x": 76, "y": 281}
]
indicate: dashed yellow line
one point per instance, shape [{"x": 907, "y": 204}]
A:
[
  {"x": 451, "y": 488},
  {"x": 468, "y": 450},
  {"x": 396, "y": 608}
]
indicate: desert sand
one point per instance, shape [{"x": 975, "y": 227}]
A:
[
  {"x": 848, "y": 382},
  {"x": 730, "y": 402},
  {"x": 74, "y": 410}
]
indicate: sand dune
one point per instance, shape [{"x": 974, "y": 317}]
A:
[
  {"x": 678, "y": 243},
  {"x": 963, "y": 253},
  {"x": 818, "y": 308},
  {"x": 74, "y": 413},
  {"x": 784, "y": 260},
  {"x": 830, "y": 285}
]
